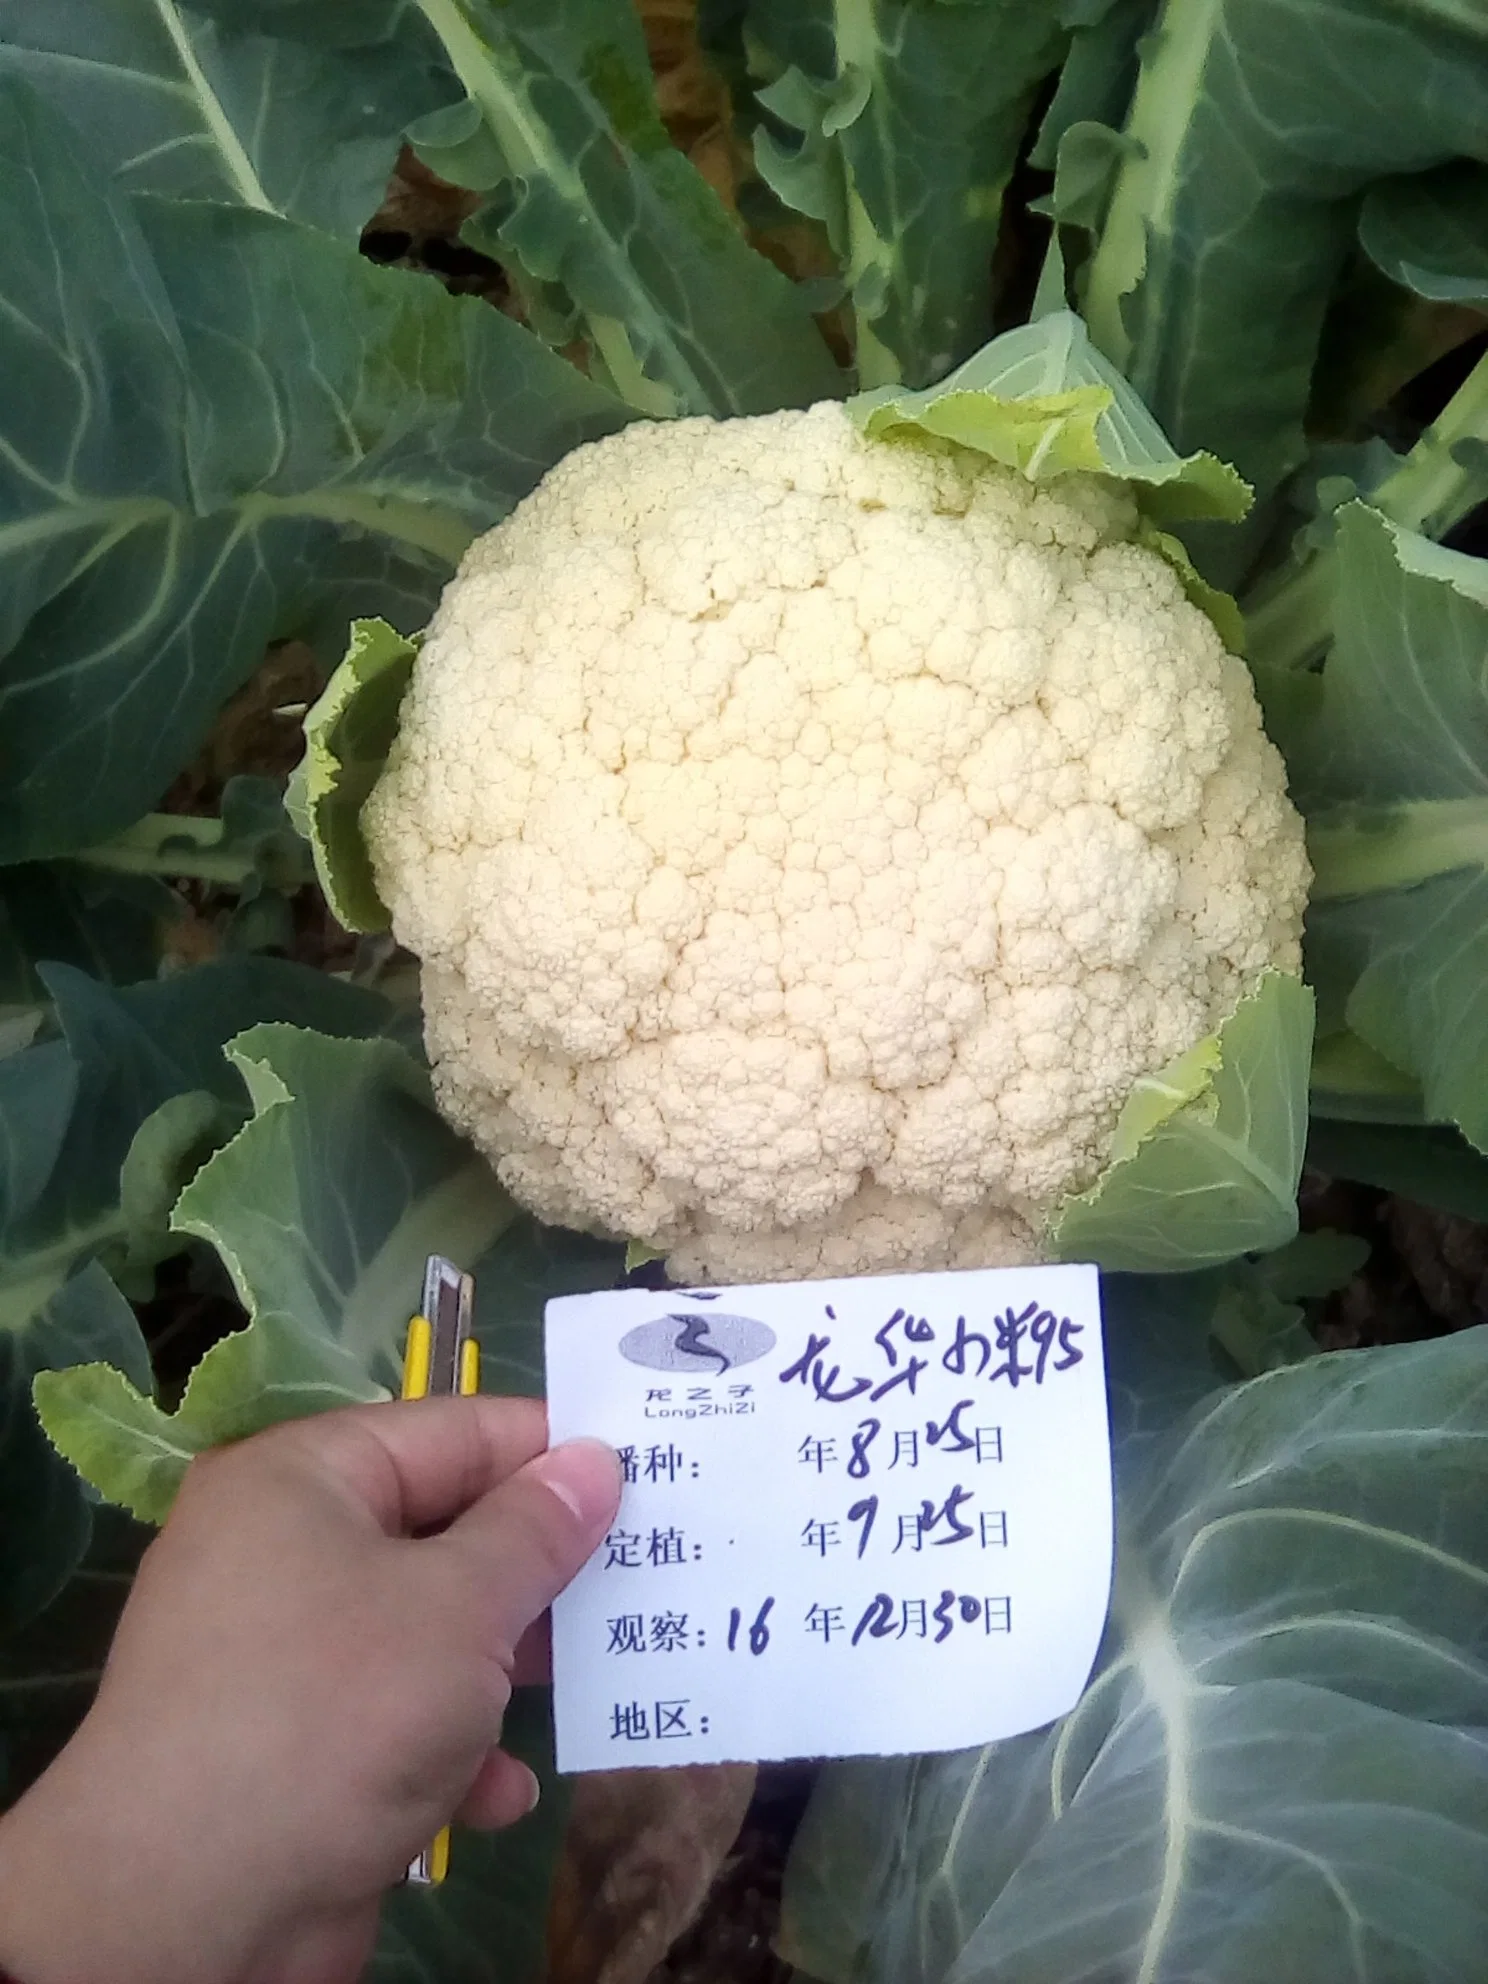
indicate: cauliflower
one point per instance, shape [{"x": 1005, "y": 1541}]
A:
[{"x": 809, "y": 839}]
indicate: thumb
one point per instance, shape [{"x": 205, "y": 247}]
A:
[{"x": 529, "y": 1537}]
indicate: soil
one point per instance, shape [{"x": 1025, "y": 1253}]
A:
[{"x": 731, "y": 1942}]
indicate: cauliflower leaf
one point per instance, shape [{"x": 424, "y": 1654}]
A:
[
  {"x": 1041, "y": 399},
  {"x": 899, "y": 127},
  {"x": 323, "y": 1209},
  {"x": 1208, "y": 1151},
  {"x": 1277, "y": 1770},
  {"x": 1395, "y": 765},
  {"x": 348, "y": 733},
  {"x": 1236, "y": 178}
]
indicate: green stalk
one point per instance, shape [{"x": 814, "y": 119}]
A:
[
  {"x": 1289, "y": 624},
  {"x": 1146, "y": 186},
  {"x": 528, "y": 145},
  {"x": 219, "y": 125},
  {"x": 868, "y": 256},
  {"x": 430, "y": 527},
  {"x": 1357, "y": 851},
  {"x": 1432, "y": 491},
  {"x": 177, "y": 844}
]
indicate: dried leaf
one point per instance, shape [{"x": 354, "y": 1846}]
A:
[{"x": 642, "y": 1850}]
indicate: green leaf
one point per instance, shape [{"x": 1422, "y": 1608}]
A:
[
  {"x": 323, "y": 1209},
  {"x": 172, "y": 1143},
  {"x": 348, "y": 734},
  {"x": 1393, "y": 771},
  {"x": 527, "y": 1267},
  {"x": 218, "y": 427},
  {"x": 1429, "y": 232},
  {"x": 326, "y": 1205},
  {"x": 487, "y": 1922},
  {"x": 1409, "y": 964},
  {"x": 597, "y": 211},
  {"x": 1088, "y": 158},
  {"x": 1096, "y": 82},
  {"x": 350, "y": 24},
  {"x": 1161, "y": 1357},
  {"x": 1313, "y": 1265},
  {"x": 49, "y": 1668},
  {"x": 1258, "y": 1319},
  {"x": 1403, "y": 712},
  {"x": 1043, "y": 400},
  {"x": 1207, "y": 1152},
  {"x": 1444, "y": 477},
  {"x": 149, "y": 1042},
  {"x": 1079, "y": 140},
  {"x": 250, "y": 847},
  {"x": 1278, "y": 1769},
  {"x": 118, "y": 1438},
  {"x": 97, "y": 1129},
  {"x": 1220, "y": 607},
  {"x": 900, "y": 125},
  {"x": 47, "y": 1518},
  {"x": 1258, "y": 1332},
  {"x": 109, "y": 925},
  {"x": 1435, "y": 1167},
  {"x": 173, "y": 104},
  {"x": 1255, "y": 128},
  {"x": 1353, "y": 1083},
  {"x": 607, "y": 230}
]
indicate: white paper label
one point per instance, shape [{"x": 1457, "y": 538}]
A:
[{"x": 860, "y": 1517}]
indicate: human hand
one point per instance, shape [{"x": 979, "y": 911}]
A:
[{"x": 300, "y": 1693}]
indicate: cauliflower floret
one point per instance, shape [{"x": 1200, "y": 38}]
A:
[{"x": 808, "y": 841}]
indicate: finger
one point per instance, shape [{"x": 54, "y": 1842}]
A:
[
  {"x": 339, "y": 1946},
  {"x": 533, "y": 1665},
  {"x": 504, "y": 1791},
  {"x": 415, "y": 1464},
  {"x": 526, "y": 1540}
]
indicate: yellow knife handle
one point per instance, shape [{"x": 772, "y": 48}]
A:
[
  {"x": 431, "y": 1866},
  {"x": 418, "y": 1358}
]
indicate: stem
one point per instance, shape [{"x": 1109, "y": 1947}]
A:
[
  {"x": 30, "y": 1280},
  {"x": 1289, "y": 623},
  {"x": 528, "y": 146},
  {"x": 426, "y": 526},
  {"x": 1352, "y": 1083},
  {"x": 1147, "y": 185},
  {"x": 1357, "y": 852},
  {"x": 1432, "y": 491},
  {"x": 859, "y": 48},
  {"x": 179, "y": 844},
  {"x": 219, "y": 126}
]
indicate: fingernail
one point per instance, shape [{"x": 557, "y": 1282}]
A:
[
  {"x": 533, "y": 1795},
  {"x": 585, "y": 1476}
]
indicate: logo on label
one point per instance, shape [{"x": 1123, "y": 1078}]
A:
[{"x": 711, "y": 1343}]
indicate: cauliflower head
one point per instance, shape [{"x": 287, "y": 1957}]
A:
[{"x": 809, "y": 839}]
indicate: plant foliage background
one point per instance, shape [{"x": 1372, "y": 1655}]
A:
[{"x": 226, "y": 432}]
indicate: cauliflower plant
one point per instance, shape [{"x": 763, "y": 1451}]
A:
[{"x": 808, "y": 839}]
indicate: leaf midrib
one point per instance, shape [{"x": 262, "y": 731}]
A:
[
  {"x": 1364, "y": 851},
  {"x": 239, "y": 166},
  {"x": 526, "y": 145},
  {"x": 30, "y": 1279},
  {"x": 396, "y": 513}
]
